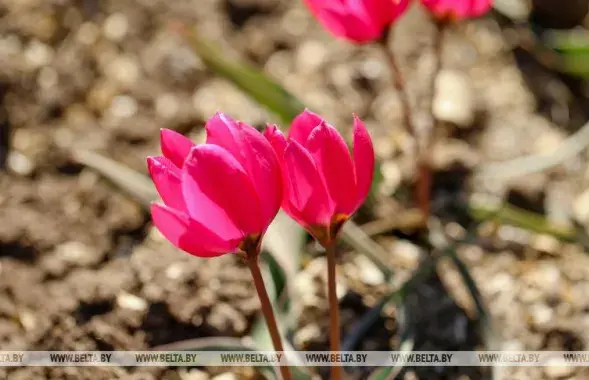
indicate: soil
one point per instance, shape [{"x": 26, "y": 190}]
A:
[{"x": 83, "y": 269}]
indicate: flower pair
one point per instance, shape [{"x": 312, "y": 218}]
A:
[
  {"x": 221, "y": 196},
  {"x": 364, "y": 21}
]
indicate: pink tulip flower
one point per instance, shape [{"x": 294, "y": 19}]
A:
[
  {"x": 359, "y": 21},
  {"x": 323, "y": 183},
  {"x": 218, "y": 197},
  {"x": 457, "y": 9}
]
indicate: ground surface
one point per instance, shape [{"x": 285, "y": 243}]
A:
[{"x": 82, "y": 268}]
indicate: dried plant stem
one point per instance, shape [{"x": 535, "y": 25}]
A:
[
  {"x": 266, "y": 305},
  {"x": 334, "y": 327}
]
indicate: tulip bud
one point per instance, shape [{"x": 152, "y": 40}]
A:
[{"x": 359, "y": 21}]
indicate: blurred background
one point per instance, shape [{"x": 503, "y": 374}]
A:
[{"x": 85, "y": 86}]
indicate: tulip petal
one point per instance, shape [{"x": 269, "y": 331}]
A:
[
  {"x": 354, "y": 27},
  {"x": 256, "y": 155},
  {"x": 302, "y": 125},
  {"x": 363, "y": 160},
  {"x": 188, "y": 234},
  {"x": 166, "y": 177},
  {"x": 223, "y": 131},
  {"x": 334, "y": 163},
  {"x": 277, "y": 140},
  {"x": 306, "y": 190},
  {"x": 219, "y": 193},
  {"x": 480, "y": 7},
  {"x": 175, "y": 146}
]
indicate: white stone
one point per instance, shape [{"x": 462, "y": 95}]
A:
[
  {"x": 407, "y": 251},
  {"x": 306, "y": 334},
  {"x": 115, "y": 27},
  {"x": 392, "y": 177},
  {"x": 47, "y": 77},
  {"x": 166, "y": 106},
  {"x": 10, "y": 45},
  {"x": 193, "y": 374},
  {"x": 39, "y": 54},
  {"x": 226, "y": 376},
  {"x": 581, "y": 207},
  {"x": 76, "y": 252},
  {"x": 556, "y": 368},
  {"x": 124, "y": 70},
  {"x": 368, "y": 272},
  {"x": 123, "y": 106},
  {"x": 88, "y": 33},
  {"x": 541, "y": 314},
  {"x": 175, "y": 271},
  {"x": 19, "y": 163},
  {"x": 455, "y": 97},
  {"x": 129, "y": 301},
  {"x": 310, "y": 56}
]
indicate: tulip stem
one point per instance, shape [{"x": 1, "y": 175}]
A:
[
  {"x": 422, "y": 190},
  {"x": 399, "y": 83},
  {"x": 267, "y": 311},
  {"x": 334, "y": 327}
]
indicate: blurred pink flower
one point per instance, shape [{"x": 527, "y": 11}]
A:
[
  {"x": 323, "y": 183},
  {"x": 458, "y": 9},
  {"x": 357, "y": 20},
  {"x": 218, "y": 197}
]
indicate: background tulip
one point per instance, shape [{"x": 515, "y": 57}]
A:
[
  {"x": 324, "y": 184},
  {"x": 457, "y": 9},
  {"x": 216, "y": 196},
  {"x": 357, "y": 20}
]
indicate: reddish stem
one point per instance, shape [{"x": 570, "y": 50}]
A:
[
  {"x": 334, "y": 327},
  {"x": 267, "y": 311}
]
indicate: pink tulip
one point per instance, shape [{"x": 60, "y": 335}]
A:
[
  {"x": 357, "y": 20},
  {"x": 323, "y": 183},
  {"x": 218, "y": 197},
  {"x": 457, "y": 9}
]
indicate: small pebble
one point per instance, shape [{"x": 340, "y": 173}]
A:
[
  {"x": 193, "y": 374},
  {"x": 47, "y": 78},
  {"x": 129, "y": 301},
  {"x": 77, "y": 253},
  {"x": 28, "y": 320},
  {"x": 581, "y": 207},
  {"x": 175, "y": 271},
  {"x": 88, "y": 33},
  {"x": 123, "y": 106},
  {"x": 166, "y": 106},
  {"x": 307, "y": 334},
  {"x": 38, "y": 54},
  {"x": 556, "y": 368},
  {"x": 20, "y": 164},
  {"x": 124, "y": 70},
  {"x": 226, "y": 376},
  {"x": 541, "y": 314},
  {"x": 115, "y": 27},
  {"x": 368, "y": 272},
  {"x": 310, "y": 56},
  {"x": 454, "y": 101}
]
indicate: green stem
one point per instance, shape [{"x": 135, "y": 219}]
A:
[
  {"x": 266, "y": 305},
  {"x": 334, "y": 326}
]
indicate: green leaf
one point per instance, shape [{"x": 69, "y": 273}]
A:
[
  {"x": 572, "y": 47},
  {"x": 521, "y": 218},
  {"x": 218, "y": 344},
  {"x": 250, "y": 80}
]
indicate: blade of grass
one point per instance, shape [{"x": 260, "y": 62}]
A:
[
  {"x": 217, "y": 344},
  {"x": 246, "y": 77}
]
